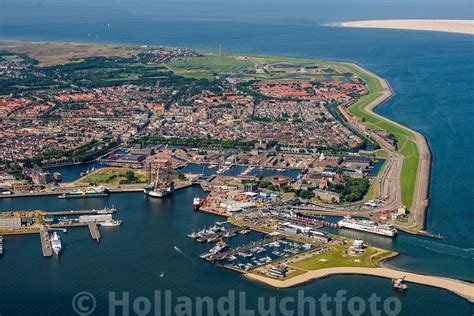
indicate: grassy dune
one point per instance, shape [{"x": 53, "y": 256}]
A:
[{"x": 405, "y": 138}]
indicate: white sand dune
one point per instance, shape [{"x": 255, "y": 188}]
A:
[{"x": 452, "y": 26}]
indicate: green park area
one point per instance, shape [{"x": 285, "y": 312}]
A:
[
  {"x": 338, "y": 257},
  {"x": 406, "y": 145},
  {"x": 114, "y": 176}
]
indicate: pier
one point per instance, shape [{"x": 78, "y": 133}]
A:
[
  {"x": 94, "y": 230},
  {"x": 82, "y": 212},
  {"x": 463, "y": 289},
  {"x": 45, "y": 242}
]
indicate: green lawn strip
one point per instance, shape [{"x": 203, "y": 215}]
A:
[
  {"x": 408, "y": 179},
  {"x": 404, "y": 137}
]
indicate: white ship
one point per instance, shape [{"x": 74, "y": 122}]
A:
[
  {"x": 1, "y": 245},
  {"x": 56, "y": 243},
  {"x": 113, "y": 222},
  {"x": 368, "y": 226},
  {"x": 159, "y": 192},
  {"x": 218, "y": 248}
]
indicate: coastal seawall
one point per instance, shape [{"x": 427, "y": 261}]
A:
[{"x": 421, "y": 191}]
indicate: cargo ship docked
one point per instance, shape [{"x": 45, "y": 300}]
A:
[
  {"x": 99, "y": 191},
  {"x": 368, "y": 226}
]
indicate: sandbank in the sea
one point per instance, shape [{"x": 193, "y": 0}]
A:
[{"x": 452, "y": 26}]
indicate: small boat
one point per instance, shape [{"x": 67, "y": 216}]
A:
[
  {"x": 399, "y": 284},
  {"x": 231, "y": 258},
  {"x": 193, "y": 235},
  {"x": 229, "y": 234},
  {"x": 162, "y": 275},
  {"x": 244, "y": 231},
  {"x": 112, "y": 222}
]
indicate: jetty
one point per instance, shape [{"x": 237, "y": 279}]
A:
[
  {"x": 45, "y": 242},
  {"x": 461, "y": 288},
  {"x": 94, "y": 230},
  {"x": 82, "y": 212}
]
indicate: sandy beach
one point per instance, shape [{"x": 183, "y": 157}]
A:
[
  {"x": 463, "y": 289},
  {"x": 452, "y": 26}
]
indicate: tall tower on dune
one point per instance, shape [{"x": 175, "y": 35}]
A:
[{"x": 220, "y": 50}]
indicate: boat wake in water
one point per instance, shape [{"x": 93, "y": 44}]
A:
[
  {"x": 181, "y": 252},
  {"x": 441, "y": 248}
]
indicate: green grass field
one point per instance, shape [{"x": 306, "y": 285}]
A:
[
  {"x": 338, "y": 257},
  {"x": 405, "y": 138},
  {"x": 211, "y": 64},
  {"x": 112, "y": 176}
]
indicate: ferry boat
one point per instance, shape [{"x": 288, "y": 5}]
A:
[
  {"x": 113, "y": 222},
  {"x": 197, "y": 203},
  {"x": 368, "y": 226},
  {"x": 56, "y": 243},
  {"x": 98, "y": 191}
]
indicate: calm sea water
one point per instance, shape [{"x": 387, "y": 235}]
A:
[
  {"x": 153, "y": 240},
  {"x": 432, "y": 75}
]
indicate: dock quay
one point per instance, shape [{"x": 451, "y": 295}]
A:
[
  {"x": 94, "y": 230},
  {"x": 244, "y": 248},
  {"x": 431, "y": 235},
  {"x": 45, "y": 242},
  {"x": 232, "y": 268},
  {"x": 82, "y": 212}
]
